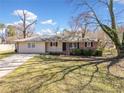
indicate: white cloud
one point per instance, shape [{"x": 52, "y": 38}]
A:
[
  {"x": 29, "y": 15},
  {"x": 47, "y": 32},
  {"x": 120, "y": 1},
  {"x": 48, "y": 22}
]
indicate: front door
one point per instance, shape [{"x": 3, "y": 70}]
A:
[{"x": 64, "y": 46}]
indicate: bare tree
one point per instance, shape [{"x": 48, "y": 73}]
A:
[
  {"x": 2, "y": 32},
  {"x": 80, "y": 23},
  {"x": 11, "y": 31},
  {"x": 109, "y": 27},
  {"x": 27, "y": 20},
  {"x": 56, "y": 30}
]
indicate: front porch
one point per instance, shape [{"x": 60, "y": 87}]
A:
[{"x": 69, "y": 46}]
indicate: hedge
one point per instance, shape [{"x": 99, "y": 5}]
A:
[{"x": 81, "y": 52}]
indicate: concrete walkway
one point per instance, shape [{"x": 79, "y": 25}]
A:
[{"x": 8, "y": 64}]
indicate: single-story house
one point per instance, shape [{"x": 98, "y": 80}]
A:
[{"x": 54, "y": 44}]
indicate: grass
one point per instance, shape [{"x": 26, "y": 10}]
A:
[
  {"x": 109, "y": 52},
  {"x": 5, "y": 54},
  {"x": 44, "y": 74}
]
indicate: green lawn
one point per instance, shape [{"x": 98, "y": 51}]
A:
[
  {"x": 5, "y": 54},
  {"x": 57, "y": 74}
]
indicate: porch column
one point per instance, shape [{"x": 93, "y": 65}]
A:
[{"x": 67, "y": 49}]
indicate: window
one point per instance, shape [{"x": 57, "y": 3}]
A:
[
  {"x": 31, "y": 45},
  {"x": 53, "y": 44},
  {"x": 74, "y": 45},
  {"x": 70, "y": 45},
  {"x": 88, "y": 44}
]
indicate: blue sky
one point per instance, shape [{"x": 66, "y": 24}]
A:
[
  {"x": 59, "y": 11},
  {"x": 56, "y": 10}
]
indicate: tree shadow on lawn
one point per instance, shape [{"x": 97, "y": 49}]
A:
[{"x": 65, "y": 74}]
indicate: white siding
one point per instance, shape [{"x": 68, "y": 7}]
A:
[
  {"x": 39, "y": 47},
  {"x": 54, "y": 48}
]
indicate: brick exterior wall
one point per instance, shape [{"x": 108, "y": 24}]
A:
[{"x": 82, "y": 46}]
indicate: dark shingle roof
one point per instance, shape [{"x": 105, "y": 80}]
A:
[
  {"x": 39, "y": 39},
  {"x": 64, "y": 38}
]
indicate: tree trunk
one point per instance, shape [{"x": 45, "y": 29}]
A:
[
  {"x": 123, "y": 40},
  {"x": 112, "y": 15},
  {"x": 24, "y": 34},
  {"x": 120, "y": 51},
  {"x": 24, "y": 25}
]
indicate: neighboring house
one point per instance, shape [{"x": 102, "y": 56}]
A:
[{"x": 54, "y": 44}]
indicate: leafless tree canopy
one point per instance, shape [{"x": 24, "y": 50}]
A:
[
  {"x": 104, "y": 14},
  {"x": 25, "y": 25}
]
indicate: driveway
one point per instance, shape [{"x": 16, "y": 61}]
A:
[{"x": 8, "y": 64}]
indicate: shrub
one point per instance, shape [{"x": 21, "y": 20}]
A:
[
  {"x": 76, "y": 52},
  {"x": 98, "y": 53},
  {"x": 55, "y": 53},
  {"x": 89, "y": 52}
]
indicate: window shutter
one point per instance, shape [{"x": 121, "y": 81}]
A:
[
  {"x": 91, "y": 44},
  {"x": 56, "y": 44},
  {"x": 78, "y": 45},
  {"x": 85, "y": 44},
  {"x": 50, "y": 43}
]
